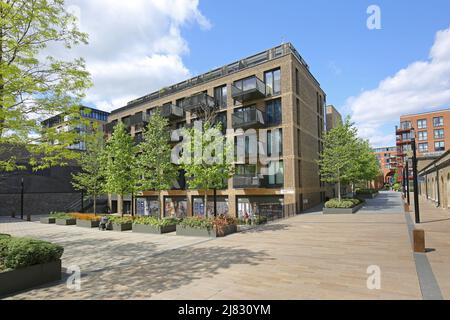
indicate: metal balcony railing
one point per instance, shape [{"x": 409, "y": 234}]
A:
[
  {"x": 172, "y": 112},
  {"x": 248, "y": 89},
  {"x": 252, "y": 118},
  {"x": 244, "y": 182},
  {"x": 198, "y": 102}
]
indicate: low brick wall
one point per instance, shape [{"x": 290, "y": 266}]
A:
[{"x": 35, "y": 203}]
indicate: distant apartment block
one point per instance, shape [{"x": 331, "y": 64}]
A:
[
  {"x": 387, "y": 157},
  {"x": 273, "y": 92},
  {"x": 334, "y": 118},
  {"x": 60, "y": 122},
  {"x": 432, "y": 133}
]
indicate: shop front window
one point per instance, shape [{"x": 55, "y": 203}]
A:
[
  {"x": 198, "y": 206},
  {"x": 175, "y": 207},
  {"x": 253, "y": 207},
  {"x": 148, "y": 206}
]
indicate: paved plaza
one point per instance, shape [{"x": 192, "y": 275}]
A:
[{"x": 310, "y": 256}]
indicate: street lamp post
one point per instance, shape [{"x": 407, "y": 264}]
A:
[
  {"x": 407, "y": 181},
  {"x": 415, "y": 177},
  {"x": 21, "y": 198}
]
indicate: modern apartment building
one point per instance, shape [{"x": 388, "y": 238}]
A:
[
  {"x": 334, "y": 118},
  {"x": 432, "y": 133},
  {"x": 387, "y": 157},
  {"x": 60, "y": 122},
  {"x": 272, "y": 92}
]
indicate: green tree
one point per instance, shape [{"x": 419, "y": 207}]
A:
[
  {"x": 206, "y": 159},
  {"x": 119, "y": 165},
  {"x": 367, "y": 165},
  {"x": 35, "y": 86},
  {"x": 154, "y": 166},
  {"x": 338, "y": 159},
  {"x": 91, "y": 179}
]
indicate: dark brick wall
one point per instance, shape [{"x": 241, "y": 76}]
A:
[{"x": 36, "y": 203}]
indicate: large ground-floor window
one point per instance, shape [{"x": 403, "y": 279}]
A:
[
  {"x": 270, "y": 207},
  {"x": 148, "y": 206},
  {"x": 175, "y": 207},
  {"x": 198, "y": 206}
]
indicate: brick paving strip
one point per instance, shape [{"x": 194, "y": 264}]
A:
[{"x": 427, "y": 280}]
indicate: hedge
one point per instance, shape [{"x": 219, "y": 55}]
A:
[
  {"x": 343, "y": 204},
  {"x": 18, "y": 253},
  {"x": 153, "y": 221}
]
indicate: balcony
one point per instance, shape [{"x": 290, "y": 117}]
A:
[
  {"x": 248, "y": 90},
  {"x": 403, "y": 129},
  {"x": 139, "y": 119},
  {"x": 199, "y": 101},
  {"x": 247, "y": 182},
  {"x": 109, "y": 127},
  {"x": 252, "y": 118},
  {"x": 402, "y": 141},
  {"x": 172, "y": 112}
]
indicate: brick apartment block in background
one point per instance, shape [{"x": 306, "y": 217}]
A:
[
  {"x": 432, "y": 130},
  {"x": 387, "y": 157},
  {"x": 273, "y": 90}
]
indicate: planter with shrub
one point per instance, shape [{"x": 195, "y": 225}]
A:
[
  {"x": 207, "y": 227},
  {"x": 47, "y": 220},
  {"x": 63, "y": 219},
  {"x": 366, "y": 193},
  {"x": 154, "y": 225},
  {"x": 120, "y": 223},
  {"x": 258, "y": 220},
  {"x": 345, "y": 206},
  {"x": 27, "y": 263},
  {"x": 86, "y": 220}
]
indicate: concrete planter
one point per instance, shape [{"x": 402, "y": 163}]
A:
[
  {"x": 47, "y": 220},
  {"x": 29, "y": 277},
  {"x": 342, "y": 210},
  {"x": 367, "y": 195},
  {"x": 120, "y": 226},
  {"x": 203, "y": 232},
  {"x": 143, "y": 228},
  {"x": 88, "y": 223},
  {"x": 66, "y": 222}
]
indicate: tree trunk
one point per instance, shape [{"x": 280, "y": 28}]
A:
[
  {"x": 339, "y": 190},
  {"x": 95, "y": 204},
  {"x": 205, "y": 209},
  {"x": 120, "y": 204}
]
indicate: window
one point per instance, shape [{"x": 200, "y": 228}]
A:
[
  {"x": 439, "y": 134},
  {"x": 273, "y": 112},
  {"x": 438, "y": 121},
  {"x": 406, "y": 136},
  {"x": 275, "y": 143},
  {"x": 179, "y": 102},
  {"x": 276, "y": 173},
  {"x": 273, "y": 82},
  {"x": 423, "y": 147},
  {"x": 422, "y": 124},
  {"x": 297, "y": 82},
  {"x": 220, "y": 94},
  {"x": 439, "y": 146},
  {"x": 423, "y": 135},
  {"x": 298, "y": 112}
]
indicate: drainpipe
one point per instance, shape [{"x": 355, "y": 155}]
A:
[{"x": 426, "y": 186}]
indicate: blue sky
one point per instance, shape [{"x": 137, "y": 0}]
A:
[{"x": 142, "y": 45}]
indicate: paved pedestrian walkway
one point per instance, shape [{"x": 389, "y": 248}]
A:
[
  {"x": 385, "y": 202},
  {"x": 305, "y": 257},
  {"x": 436, "y": 224}
]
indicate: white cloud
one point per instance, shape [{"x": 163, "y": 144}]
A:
[
  {"x": 421, "y": 86},
  {"x": 135, "y": 47}
]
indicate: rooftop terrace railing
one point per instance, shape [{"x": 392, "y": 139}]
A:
[{"x": 251, "y": 61}]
